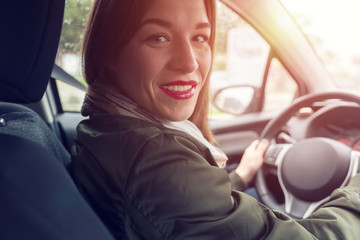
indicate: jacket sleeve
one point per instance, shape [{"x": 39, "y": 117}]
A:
[
  {"x": 339, "y": 218},
  {"x": 175, "y": 193},
  {"x": 237, "y": 182}
]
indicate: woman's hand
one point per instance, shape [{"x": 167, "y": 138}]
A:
[{"x": 252, "y": 160}]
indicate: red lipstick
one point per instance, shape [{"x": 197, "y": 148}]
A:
[{"x": 180, "y": 90}]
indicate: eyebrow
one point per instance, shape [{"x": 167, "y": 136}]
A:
[{"x": 168, "y": 24}]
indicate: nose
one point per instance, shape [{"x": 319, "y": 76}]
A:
[{"x": 184, "y": 58}]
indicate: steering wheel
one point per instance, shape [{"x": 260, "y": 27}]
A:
[{"x": 307, "y": 170}]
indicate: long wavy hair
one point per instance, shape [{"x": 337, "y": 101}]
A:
[{"x": 111, "y": 25}]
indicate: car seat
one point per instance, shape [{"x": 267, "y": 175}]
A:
[{"x": 38, "y": 199}]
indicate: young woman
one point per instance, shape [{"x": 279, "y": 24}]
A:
[{"x": 145, "y": 159}]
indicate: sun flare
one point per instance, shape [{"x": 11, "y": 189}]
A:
[{"x": 332, "y": 21}]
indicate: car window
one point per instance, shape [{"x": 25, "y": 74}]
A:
[
  {"x": 69, "y": 52},
  {"x": 280, "y": 88},
  {"x": 241, "y": 57},
  {"x": 240, "y": 52},
  {"x": 71, "y": 98},
  {"x": 331, "y": 26}
]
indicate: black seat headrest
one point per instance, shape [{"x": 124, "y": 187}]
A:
[{"x": 30, "y": 33}]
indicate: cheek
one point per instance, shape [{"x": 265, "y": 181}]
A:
[
  {"x": 145, "y": 65},
  {"x": 133, "y": 68}
]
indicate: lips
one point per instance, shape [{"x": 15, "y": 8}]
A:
[{"x": 180, "y": 90}]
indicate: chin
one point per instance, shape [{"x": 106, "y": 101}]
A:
[
  {"x": 176, "y": 114},
  {"x": 176, "y": 117}
]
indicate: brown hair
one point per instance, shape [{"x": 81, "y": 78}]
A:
[{"x": 111, "y": 25}]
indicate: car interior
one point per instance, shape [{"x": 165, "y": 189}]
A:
[{"x": 38, "y": 198}]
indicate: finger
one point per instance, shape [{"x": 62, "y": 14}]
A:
[
  {"x": 254, "y": 144},
  {"x": 263, "y": 145}
]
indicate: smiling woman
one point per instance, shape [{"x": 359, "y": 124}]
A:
[
  {"x": 145, "y": 158},
  {"x": 169, "y": 45},
  {"x": 172, "y": 52}
]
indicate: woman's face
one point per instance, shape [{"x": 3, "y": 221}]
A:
[{"x": 165, "y": 64}]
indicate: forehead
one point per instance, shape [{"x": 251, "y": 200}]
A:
[{"x": 180, "y": 11}]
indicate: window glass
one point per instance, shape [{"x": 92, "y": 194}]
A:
[
  {"x": 240, "y": 58},
  {"x": 240, "y": 55},
  {"x": 332, "y": 28},
  {"x": 71, "y": 97},
  {"x": 69, "y": 52},
  {"x": 240, "y": 52},
  {"x": 280, "y": 88}
]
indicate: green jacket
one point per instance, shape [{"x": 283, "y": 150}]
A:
[{"x": 149, "y": 182}]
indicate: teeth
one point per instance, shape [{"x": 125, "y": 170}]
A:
[{"x": 178, "y": 88}]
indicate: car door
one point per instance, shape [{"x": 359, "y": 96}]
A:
[{"x": 247, "y": 66}]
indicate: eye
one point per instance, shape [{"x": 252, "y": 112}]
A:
[
  {"x": 158, "y": 38},
  {"x": 201, "y": 38}
]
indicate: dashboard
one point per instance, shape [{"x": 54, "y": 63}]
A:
[{"x": 339, "y": 122}]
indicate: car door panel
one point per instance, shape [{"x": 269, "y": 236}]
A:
[{"x": 233, "y": 136}]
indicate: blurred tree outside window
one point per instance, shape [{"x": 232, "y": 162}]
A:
[{"x": 69, "y": 52}]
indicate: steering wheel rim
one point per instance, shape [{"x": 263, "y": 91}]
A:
[{"x": 272, "y": 129}]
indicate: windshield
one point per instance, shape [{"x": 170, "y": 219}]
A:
[{"x": 332, "y": 27}]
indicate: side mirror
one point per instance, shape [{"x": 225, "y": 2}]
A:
[{"x": 234, "y": 100}]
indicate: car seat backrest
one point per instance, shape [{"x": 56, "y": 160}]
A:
[
  {"x": 30, "y": 33},
  {"x": 17, "y": 120},
  {"x": 38, "y": 198}
]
